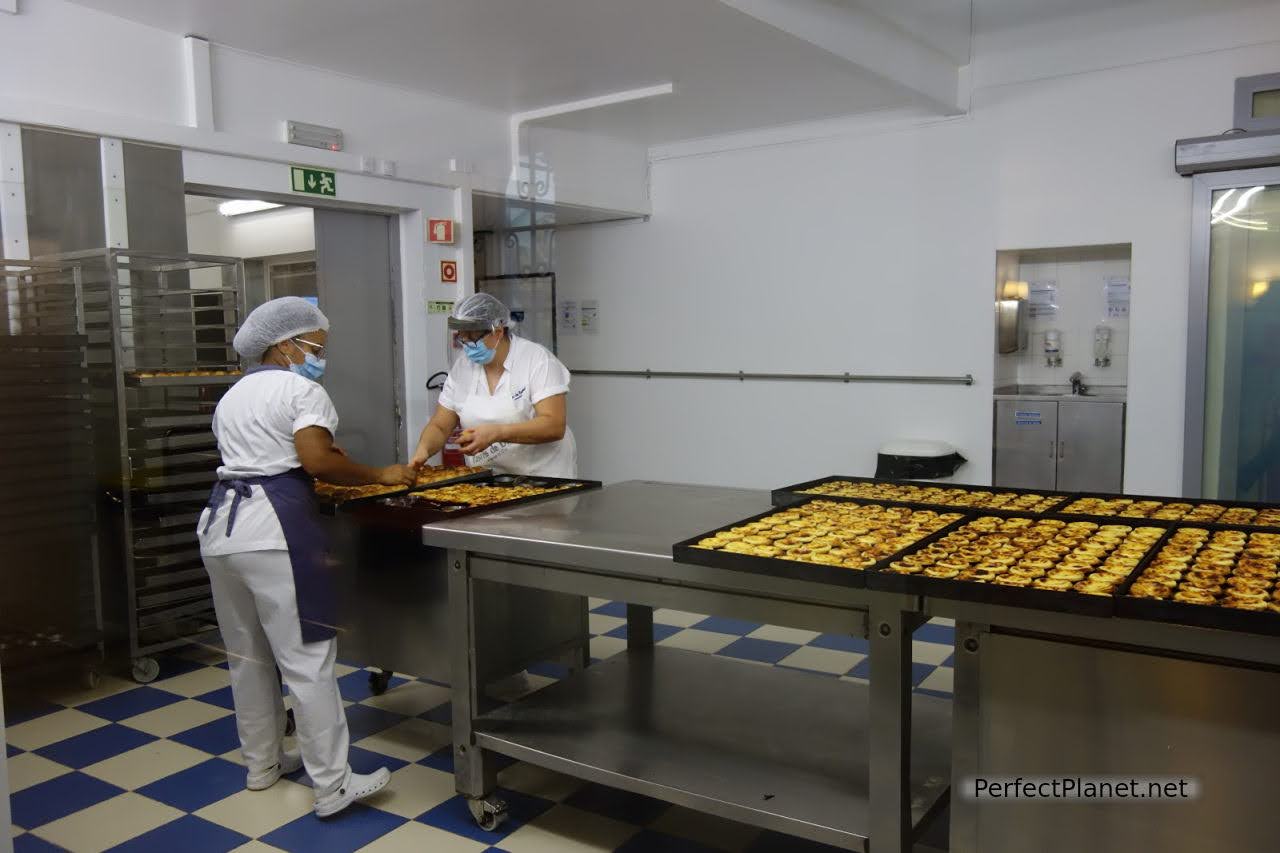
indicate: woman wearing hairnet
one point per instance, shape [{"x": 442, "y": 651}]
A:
[
  {"x": 265, "y": 553},
  {"x": 507, "y": 393}
]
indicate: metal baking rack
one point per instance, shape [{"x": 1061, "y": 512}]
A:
[
  {"x": 50, "y": 604},
  {"x": 148, "y": 317}
]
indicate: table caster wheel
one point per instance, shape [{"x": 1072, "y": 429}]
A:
[
  {"x": 379, "y": 682},
  {"x": 145, "y": 670},
  {"x": 489, "y": 813},
  {"x": 290, "y": 724},
  {"x": 90, "y": 678}
]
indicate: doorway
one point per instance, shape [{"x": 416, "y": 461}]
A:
[{"x": 348, "y": 263}]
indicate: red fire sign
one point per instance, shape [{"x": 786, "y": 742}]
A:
[
  {"x": 440, "y": 230},
  {"x": 449, "y": 272}
]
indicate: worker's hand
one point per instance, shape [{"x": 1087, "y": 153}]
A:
[
  {"x": 476, "y": 439},
  {"x": 338, "y": 450},
  {"x": 419, "y": 460},
  {"x": 397, "y": 475}
]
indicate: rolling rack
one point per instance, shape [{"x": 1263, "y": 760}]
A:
[
  {"x": 160, "y": 329},
  {"x": 50, "y": 595}
]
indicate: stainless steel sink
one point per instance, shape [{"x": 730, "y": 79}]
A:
[{"x": 1110, "y": 393}]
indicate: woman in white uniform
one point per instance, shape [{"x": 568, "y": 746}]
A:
[
  {"x": 507, "y": 393},
  {"x": 265, "y": 552}
]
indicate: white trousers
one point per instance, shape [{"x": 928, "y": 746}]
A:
[{"x": 257, "y": 608}]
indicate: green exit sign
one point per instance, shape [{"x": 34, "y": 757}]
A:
[
  {"x": 442, "y": 307},
  {"x": 314, "y": 181}
]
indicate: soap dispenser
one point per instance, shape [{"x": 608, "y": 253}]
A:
[
  {"x": 1102, "y": 346},
  {"x": 1053, "y": 348}
]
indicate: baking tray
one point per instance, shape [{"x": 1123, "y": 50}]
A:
[
  {"x": 1198, "y": 615},
  {"x": 330, "y": 506},
  {"x": 1179, "y": 522},
  {"x": 790, "y": 494},
  {"x": 1009, "y": 596},
  {"x": 685, "y": 552},
  {"x": 405, "y": 512},
  {"x": 133, "y": 380}
]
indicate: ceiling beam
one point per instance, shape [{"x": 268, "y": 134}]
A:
[{"x": 874, "y": 45}]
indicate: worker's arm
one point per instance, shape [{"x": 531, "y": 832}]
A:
[
  {"x": 434, "y": 435},
  {"x": 546, "y": 425},
  {"x": 323, "y": 460}
]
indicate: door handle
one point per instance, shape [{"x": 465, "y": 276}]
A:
[
  {"x": 1062, "y": 450},
  {"x": 1052, "y": 449}
]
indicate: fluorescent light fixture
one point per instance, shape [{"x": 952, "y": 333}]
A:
[
  {"x": 1239, "y": 205},
  {"x": 245, "y": 205},
  {"x": 1259, "y": 288},
  {"x": 313, "y": 135}
]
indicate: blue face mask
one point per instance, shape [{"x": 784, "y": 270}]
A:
[
  {"x": 311, "y": 368},
  {"x": 478, "y": 352}
]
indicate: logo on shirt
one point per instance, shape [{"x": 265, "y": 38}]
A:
[{"x": 518, "y": 394}]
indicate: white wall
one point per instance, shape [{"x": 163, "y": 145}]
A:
[
  {"x": 284, "y": 231},
  {"x": 876, "y": 253}
]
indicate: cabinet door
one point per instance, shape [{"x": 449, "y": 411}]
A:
[
  {"x": 1090, "y": 447},
  {"x": 1026, "y": 444}
]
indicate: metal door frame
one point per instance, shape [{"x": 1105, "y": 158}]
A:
[{"x": 1203, "y": 187}]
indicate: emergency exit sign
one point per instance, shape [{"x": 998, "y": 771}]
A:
[
  {"x": 314, "y": 181},
  {"x": 439, "y": 306}
]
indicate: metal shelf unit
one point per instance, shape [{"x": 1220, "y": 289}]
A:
[
  {"x": 50, "y": 593},
  {"x": 148, "y": 317}
]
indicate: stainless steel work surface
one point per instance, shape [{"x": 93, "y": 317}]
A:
[
  {"x": 775, "y": 748},
  {"x": 633, "y": 524}
]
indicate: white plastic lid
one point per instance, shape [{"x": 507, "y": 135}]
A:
[{"x": 916, "y": 447}]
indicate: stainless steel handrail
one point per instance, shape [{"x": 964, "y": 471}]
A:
[{"x": 742, "y": 376}]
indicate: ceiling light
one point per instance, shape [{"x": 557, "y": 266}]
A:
[
  {"x": 246, "y": 205},
  {"x": 1260, "y": 288}
]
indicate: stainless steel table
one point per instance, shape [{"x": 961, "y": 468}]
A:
[
  {"x": 800, "y": 753},
  {"x": 1056, "y": 694}
]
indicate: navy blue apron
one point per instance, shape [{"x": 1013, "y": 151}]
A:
[{"x": 292, "y": 496}]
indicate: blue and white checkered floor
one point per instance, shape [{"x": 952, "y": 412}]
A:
[{"x": 157, "y": 768}]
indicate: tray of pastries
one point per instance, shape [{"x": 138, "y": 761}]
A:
[
  {"x": 489, "y": 493},
  {"x": 819, "y": 540},
  {"x": 339, "y": 495},
  {"x": 1174, "y": 509},
  {"x": 1217, "y": 578},
  {"x": 923, "y": 494},
  {"x": 182, "y": 377},
  {"x": 1072, "y": 566}
]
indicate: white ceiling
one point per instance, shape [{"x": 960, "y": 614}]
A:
[{"x": 731, "y": 71}]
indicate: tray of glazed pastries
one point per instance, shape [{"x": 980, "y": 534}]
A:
[
  {"x": 1233, "y": 513},
  {"x": 819, "y": 540},
  {"x": 333, "y": 495},
  {"x": 923, "y": 494},
  {"x": 1214, "y": 578},
  {"x": 1047, "y": 563}
]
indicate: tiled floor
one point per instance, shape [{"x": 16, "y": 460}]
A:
[{"x": 157, "y": 767}]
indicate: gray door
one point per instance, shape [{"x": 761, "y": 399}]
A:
[
  {"x": 358, "y": 276},
  {"x": 1090, "y": 446},
  {"x": 1026, "y": 444}
]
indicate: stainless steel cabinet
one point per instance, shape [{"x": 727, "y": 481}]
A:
[
  {"x": 1090, "y": 446},
  {"x": 1071, "y": 445},
  {"x": 1026, "y": 444}
]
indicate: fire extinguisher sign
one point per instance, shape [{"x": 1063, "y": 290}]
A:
[{"x": 440, "y": 231}]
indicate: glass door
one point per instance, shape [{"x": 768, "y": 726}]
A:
[{"x": 1233, "y": 435}]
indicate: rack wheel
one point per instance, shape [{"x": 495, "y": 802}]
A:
[
  {"x": 290, "y": 724},
  {"x": 489, "y": 813},
  {"x": 90, "y": 678},
  {"x": 145, "y": 670},
  {"x": 379, "y": 682}
]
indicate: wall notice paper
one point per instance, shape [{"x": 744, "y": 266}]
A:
[
  {"x": 590, "y": 317},
  {"x": 1117, "y": 293},
  {"x": 1043, "y": 299},
  {"x": 569, "y": 315}
]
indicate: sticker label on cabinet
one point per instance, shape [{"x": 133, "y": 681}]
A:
[{"x": 1027, "y": 419}]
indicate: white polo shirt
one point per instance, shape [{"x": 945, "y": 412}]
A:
[
  {"x": 531, "y": 374},
  {"x": 254, "y": 424}
]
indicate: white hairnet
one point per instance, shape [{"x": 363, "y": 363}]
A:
[
  {"x": 276, "y": 321},
  {"x": 479, "y": 311}
]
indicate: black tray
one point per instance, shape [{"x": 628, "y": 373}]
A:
[
  {"x": 1011, "y": 596},
  {"x": 405, "y": 511},
  {"x": 1198, "y": 615},
  {"x": 790, "y": 494},
  {"x": 330, "y": 506},
  {"x": 1178, "y": 522},
  {"x": 684, "y": 552}
]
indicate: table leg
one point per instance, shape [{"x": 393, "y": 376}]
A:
[
  {"x": 890, "y": 748},
  {"x": 639, "y": 626},
  {"x": 475, "y": 773},
  {"x": 965, "y": 737}
]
